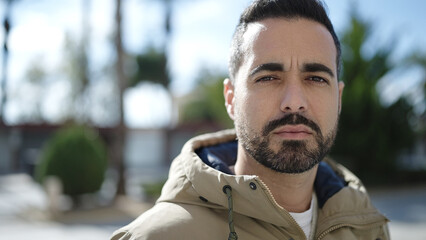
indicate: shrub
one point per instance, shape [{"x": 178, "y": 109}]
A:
[
  {"x": 153, "y": 190},
  {"x": 77, "y": 156}
]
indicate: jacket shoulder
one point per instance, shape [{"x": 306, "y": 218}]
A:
[
  {"x": 171, "y": 221},
  {"x": 345, "y": 173},
  {"x": 352, "y": 210}
]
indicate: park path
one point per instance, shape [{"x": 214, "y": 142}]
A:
[{"x": 23, "y": 208}]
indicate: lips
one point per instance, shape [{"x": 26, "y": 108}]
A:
[{"x": 293, "y": 131}]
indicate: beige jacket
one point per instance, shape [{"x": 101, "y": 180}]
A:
[{"x": 193, "y": 204}]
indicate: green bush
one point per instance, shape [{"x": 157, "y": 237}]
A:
[
  {"x": 153, "y": 190},
  {"x": 77, "y": 156}
]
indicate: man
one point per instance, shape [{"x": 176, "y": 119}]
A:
[{"x": 269, "y": 179}]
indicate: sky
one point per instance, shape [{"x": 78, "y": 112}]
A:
[{"x": 200, "y": 39}]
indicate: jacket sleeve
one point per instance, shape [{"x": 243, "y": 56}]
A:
[
  {"x": 163, "y": 221},
  {"x": 126, "y": 235},
  {"x": 121, "y": 235}
]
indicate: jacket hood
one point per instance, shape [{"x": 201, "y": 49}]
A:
[{"x": 198, "y": 175}]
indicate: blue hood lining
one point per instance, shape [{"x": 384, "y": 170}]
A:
[{"x": 221, "y": 156}]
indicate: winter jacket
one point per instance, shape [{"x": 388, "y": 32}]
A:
[{"x": 201, "y": 191}]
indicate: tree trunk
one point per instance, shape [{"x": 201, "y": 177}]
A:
[
  {"x": 120, "y": 130},
  {"x": 6, "y": 27}
]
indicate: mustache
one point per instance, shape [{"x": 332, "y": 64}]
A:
[{"x": 291, "y": 119}]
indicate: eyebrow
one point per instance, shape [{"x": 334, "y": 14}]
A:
[
  {"x": 317, "y": 67},
  {"x": 272, "y": 67},
  {"x": 278, "y": 67}
]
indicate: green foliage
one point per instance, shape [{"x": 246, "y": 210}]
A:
[
  {"x": 153, "y": 190},
  {"x": 206, "y": 103},
  {"x": 370, "y": 135},
  {"x": 76, "y": 66},
  {"x": 418, "y": 59},
  {"x": 152, "y": 67},
  {"x": 77, "y": 156}
]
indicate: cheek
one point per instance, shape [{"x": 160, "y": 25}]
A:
[
  {"x": 325, "y": 110},
  {"x": 251, "y": 110}
]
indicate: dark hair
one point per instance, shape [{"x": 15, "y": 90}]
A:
[{"x": 263, "y": 9}]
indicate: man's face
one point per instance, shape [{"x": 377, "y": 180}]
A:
[{"x": 285, "y": 100}]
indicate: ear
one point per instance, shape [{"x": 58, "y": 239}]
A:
[
  {"x": 228, "y": 93},
  {"x": 341, "y": 86}
]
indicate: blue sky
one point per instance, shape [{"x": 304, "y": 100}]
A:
[{"x": 202, "y": 30}]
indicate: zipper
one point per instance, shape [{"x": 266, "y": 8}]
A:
[
  {"x": 333, "y": 228},
  {"x": 323, "y": 234},
  {"x": 271, "y": 197}
]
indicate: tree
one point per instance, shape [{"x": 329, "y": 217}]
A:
[
  {"x": 370, "y": 134},
  {"x": 419, "y": 59},
  {"x": 151, "y": 67},
  {"x": 74, "y": 69},
  {"x": 31, "y": 93},
  {"x": 77, "y": 72},
  {"x": 6, "y": 27},
  {"x": 76, "y": 155},
  {"x": 151, "y": 64},
  {"x": 120, "y": 130},
  {"x": 206, "y": 102}
]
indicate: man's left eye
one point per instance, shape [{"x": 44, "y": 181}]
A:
[{"x": 317, "y": 79}]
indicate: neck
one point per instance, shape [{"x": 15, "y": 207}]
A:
[{"x": 293, "y": 192}]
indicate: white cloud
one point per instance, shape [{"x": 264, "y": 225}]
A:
[{"x": 36, "y": 36}]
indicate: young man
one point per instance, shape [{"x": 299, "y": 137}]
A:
[{"x": 269, "y": 179}]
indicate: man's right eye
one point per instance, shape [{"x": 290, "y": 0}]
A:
[{"x": 266, "y": 79}]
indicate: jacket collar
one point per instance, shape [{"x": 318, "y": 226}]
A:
[
  {"x": 223, "y": 155},
  {"x": 198, "y": 175}
]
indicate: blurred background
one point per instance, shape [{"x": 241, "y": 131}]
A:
[{"x": 98, "y": 97}]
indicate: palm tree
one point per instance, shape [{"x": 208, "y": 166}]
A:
[
  {"x": 370, "y": 134},
  {"x": 120, "y": 131}
]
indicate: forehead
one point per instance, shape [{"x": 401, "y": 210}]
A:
[{"x": 288, "y": 41}]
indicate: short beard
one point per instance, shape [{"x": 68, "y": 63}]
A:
[{"x": 294, "y": 156}]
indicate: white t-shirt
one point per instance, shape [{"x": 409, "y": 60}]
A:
[{"x": 304, "y": 219}]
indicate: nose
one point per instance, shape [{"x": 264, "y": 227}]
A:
[{"x": 294, "y": 98}]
